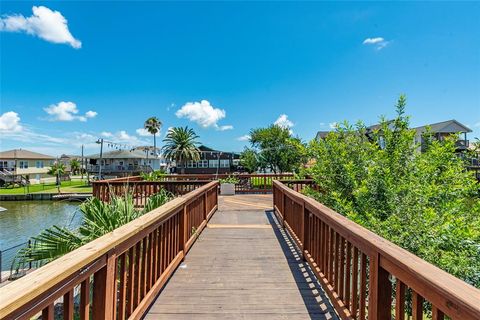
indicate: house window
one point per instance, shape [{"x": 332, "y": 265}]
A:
[
  {"x": 3, "y": 164},
  {"x": 191, "y": 164},
  {"x": 39, "y": 164},
  {"x": 203, "y": 164},
  {"x": 381, "y": 142},
  {"x": 213, "y": 163},
  {"x": 224, "y": 163},
  {"x": 23, "y": 164}
]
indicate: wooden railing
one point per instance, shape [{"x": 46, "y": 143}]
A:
[
  {"x": 365, "y": 275},
  {"x": 118, "y": 275},
  {"x": 182, "y": 184},
  {"x": 140, "y": 189}
]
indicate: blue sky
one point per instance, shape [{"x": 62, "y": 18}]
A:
[{"x": 72, "y": 72}]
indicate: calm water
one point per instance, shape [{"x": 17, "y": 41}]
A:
[{"x": 24, "y": 219}]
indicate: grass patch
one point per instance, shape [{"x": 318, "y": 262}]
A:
[{"x": 66, "y": 186}]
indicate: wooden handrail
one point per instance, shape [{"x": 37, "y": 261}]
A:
[
  {"x": 357, "y": 267},
  {"x": 134, "y": 260}
]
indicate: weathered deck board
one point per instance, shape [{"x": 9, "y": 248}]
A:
[{"x": 242, "y": 267}]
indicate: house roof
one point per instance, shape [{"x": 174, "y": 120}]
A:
[
  {"x": 24, "y": 154},
  {"x": 121, "y": 154},
  {"x": 322, "y": 134},
  {"x": 449, "y": 126}
]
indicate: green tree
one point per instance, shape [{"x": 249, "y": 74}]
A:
[
  {"x": 99, "y": 218},
  {"x": 153, "y": 125},
  {"x": 426, "y": 202},
  {"x": 58, "y": 170},
  {"x": 248, "y": 159},
  {"x": 277, "y": 149},
  {"x": 181, "y": 146},
  {"x": 74, "y": 166}
]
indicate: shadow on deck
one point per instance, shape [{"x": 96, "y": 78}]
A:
[{"x": 243, "y": 266}]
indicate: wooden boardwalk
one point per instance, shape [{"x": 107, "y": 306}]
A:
[{"x": 243, "y": 266}]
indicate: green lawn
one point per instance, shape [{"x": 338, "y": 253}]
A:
[{"x": 67, "y": 186}]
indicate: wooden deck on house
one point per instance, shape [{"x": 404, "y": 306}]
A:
[{"x": 243, "y": 266}]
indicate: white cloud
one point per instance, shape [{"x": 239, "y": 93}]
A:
[
  {"x": 283, "y": 122},
  {"x": 91, "y": 114},
  {"x": 123, "y": 137},
  {"x": 477, "y": 124},
  {"x": 10, "y": 122},
  {"x": 378, "y": 42},
  {"x": 333, "y": 125},
  {"x": 143, "y": 132},
  {"x": 203, "y": 113},
  {"x": 106, "y": 134},
  {"x": 67, "y": 111},
  {"x": 244, "y": 138},
  {"x": 44, "y": 23},
  {"x": 223, "y": 128}
]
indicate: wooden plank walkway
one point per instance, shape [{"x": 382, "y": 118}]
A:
[{"x": 243, "y": 266}]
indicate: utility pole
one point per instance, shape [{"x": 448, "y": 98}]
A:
[
  {"x": 81, "y": 163},
  {"x": 100, "y": 141}
]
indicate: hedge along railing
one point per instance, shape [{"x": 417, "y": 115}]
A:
[
  {"x": 358, "y": 269},
  {"x": 128, "y": 266}
]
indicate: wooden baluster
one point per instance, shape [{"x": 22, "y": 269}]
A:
[
  {"x": 354, "y": 305},
  {"x": 137, "y": 277},
  {"x": 49, "y": 312},
  {"x": 103, "y": 290},
  {"x": 68, "y": 305},
  {"x": 143, "y": 283},
  {"x": 417, "y": 306},
  {"x": 131, "y": 282},
  {"x": 380, "y": 292},
  {"x": 437, "y": 314},
  {"x": 341, "y": 263},
  {"x": 85, "y": 299},
  {"x": 400, "y": 300},
  {"x": 348, "y": 274},
  {"x": 150, "y": 260},
  {"x": 122, "y": 294},
  {"x": 331, "y": 255},
  {"x": 363, "y": 286},
  {"x": 336, "y": 261},
  {"x": 303, "y": 228}
]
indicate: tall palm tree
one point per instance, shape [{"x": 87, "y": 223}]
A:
[
  {"x": 181, "y": 146},
  {"x": 153, "y": 125}
]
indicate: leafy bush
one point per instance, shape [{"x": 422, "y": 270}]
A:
[
  {"x": 424, "y": 202},
  {"x": 153, "y": 176},
  {"x": 229, "y": 179}
]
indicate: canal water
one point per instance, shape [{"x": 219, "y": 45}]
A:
[{"x": 24, "y": 219}]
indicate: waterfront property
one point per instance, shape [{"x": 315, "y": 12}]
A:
[
  {"x": 19, "y": 166},
  {"x": 208, "y": 257},
  {"x": 211, "y": 162},
  {"x": 439, "y": 130},
  {"x": 124, "y": 162}
]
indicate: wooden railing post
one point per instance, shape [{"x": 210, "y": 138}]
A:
[
  {"x": 104, "y": 294},
  {"x": 380, "y": 292}
]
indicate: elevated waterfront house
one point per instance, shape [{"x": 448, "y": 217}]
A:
[
  {"x": 124, "y": 162},
  {"x": 211, "y": 162},
  {"x": 439, "y": 130},
  {"x": 20, "y": 166}
]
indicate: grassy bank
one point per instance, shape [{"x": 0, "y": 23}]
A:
[{"x": 66, "y": 187}]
